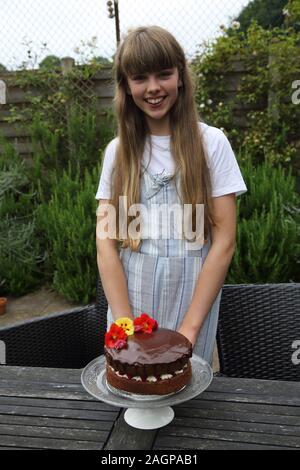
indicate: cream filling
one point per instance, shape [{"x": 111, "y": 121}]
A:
[
  {"x": 166, "y": 376},
  {"x": 150, "y": 378}
]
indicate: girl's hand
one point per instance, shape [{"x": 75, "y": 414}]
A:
[{"x": 188, "y": 333}]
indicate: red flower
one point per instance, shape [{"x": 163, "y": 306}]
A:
[
  {"x": 116, "y": 337},
  {"x": 144, "y": 323}
]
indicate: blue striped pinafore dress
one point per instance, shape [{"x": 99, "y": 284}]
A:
[{"x": 162, "y": 276}]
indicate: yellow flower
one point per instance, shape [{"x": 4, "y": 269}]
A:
[{"x": 126, "y": 324}]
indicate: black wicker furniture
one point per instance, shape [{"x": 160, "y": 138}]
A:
[
  {"x": 259, "y": 331},
  {"x": 69, "y": 339}
]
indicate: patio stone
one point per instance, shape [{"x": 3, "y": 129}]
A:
[{"x": 36, "y": 304}]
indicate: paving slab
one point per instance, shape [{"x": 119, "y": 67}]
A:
[{"x": 36, "y": 304}]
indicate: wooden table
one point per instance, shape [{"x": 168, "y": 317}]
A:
[{"x": 49, "y": 409}]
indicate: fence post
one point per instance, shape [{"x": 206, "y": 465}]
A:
[{"x": 67, "y": 64}]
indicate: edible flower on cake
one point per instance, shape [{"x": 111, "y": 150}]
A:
[
  {"x": 126, "y": 324},
  {"x": 144, "y": 323},
  {"x": 116, "y": 337}
]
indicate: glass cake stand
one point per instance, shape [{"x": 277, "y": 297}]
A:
[{"x": 145, "y": 411}]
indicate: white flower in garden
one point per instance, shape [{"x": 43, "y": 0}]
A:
[
  {"x": 209, "y": 102},
  {"x": 220, "y": 104},
  {"x": 286, "y": 12},
  {"x": 235, "y": 25},
  {"x": 202, "y": 105},
  {"x": 222, "y": 129},
  {"x": 200, "y": 74}
]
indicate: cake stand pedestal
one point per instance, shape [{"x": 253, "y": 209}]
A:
[
  {"x": 145, "y": 411},
  {"x": 149, "y": 418}
]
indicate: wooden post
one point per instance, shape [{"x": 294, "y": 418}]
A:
[
  {"x": 117, "y": 21},
  {"x": 67, "y": 63}
]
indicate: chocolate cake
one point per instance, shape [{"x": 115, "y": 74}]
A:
[{"x": 156, "y": 363}]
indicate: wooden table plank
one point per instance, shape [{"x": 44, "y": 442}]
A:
[
  {"x": 48, "y": 443},
  {"x": 43, "y": 390},
  {"x": 52, "y": 432},
  {"x": 92, "y": 404},
  {"x": 56, "y": 412},
  {"x": 206, "y": 444},
  {"x": 57, "y": 422},
  {"x": 38, "y": 374},
  {"x": 242, "y": 407},
  {"x": 218, "y": 423},
  {"x": 253, "y": 386},
  {"x": 262, "y": 414},
  {"x": 258, "y": 399}
]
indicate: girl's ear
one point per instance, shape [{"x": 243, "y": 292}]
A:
[{"x": 179, "y": 83}]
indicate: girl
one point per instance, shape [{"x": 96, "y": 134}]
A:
[{"x": 163, "y": 155}]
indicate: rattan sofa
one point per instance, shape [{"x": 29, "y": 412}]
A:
[{"x": 259, "y": 331}]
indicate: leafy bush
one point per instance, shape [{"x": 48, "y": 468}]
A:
[
  {"x": 20, "y": 252},
  {"x": 67, "y": 222},
  {"x": 260, "y": 95},
  {"x": 267, "y": 248}
]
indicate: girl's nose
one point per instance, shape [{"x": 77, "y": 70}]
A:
[{"x": 153, "y": 85}]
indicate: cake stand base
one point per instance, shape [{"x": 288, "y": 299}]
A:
[{"x": 149, "y": 418}]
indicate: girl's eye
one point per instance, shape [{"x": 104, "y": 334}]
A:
[
  {"x": 142, "y": 77},
  {"x": 138, "y": 77}
]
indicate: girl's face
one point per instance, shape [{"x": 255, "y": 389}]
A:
[{"x": 155, "y": 94}]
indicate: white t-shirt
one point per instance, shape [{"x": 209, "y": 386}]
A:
[{"x": 224, "y": 170}]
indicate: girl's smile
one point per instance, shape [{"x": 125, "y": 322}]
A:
[{"x": 155, "y": 102}]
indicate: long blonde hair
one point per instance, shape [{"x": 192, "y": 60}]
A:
[{"x": 147, "y": 50}]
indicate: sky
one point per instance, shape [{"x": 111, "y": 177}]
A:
[{"x": 81, "y": 28}]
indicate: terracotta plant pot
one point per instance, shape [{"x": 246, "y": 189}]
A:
[{"x": 3, "y": 302}]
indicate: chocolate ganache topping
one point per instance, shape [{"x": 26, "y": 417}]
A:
[{"x": 162, "y": 351}]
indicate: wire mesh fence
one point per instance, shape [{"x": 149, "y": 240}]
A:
[
  {"x": 52, "y": 52},
  {"x": 31, "y": 30}
]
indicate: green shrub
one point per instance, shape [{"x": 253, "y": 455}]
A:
[
  {"x": 267, "y": 248},
  {"x": 68, "y": 223},
  {"x": 244, "y": 85},
  {"x": 20, "y": 253}
]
